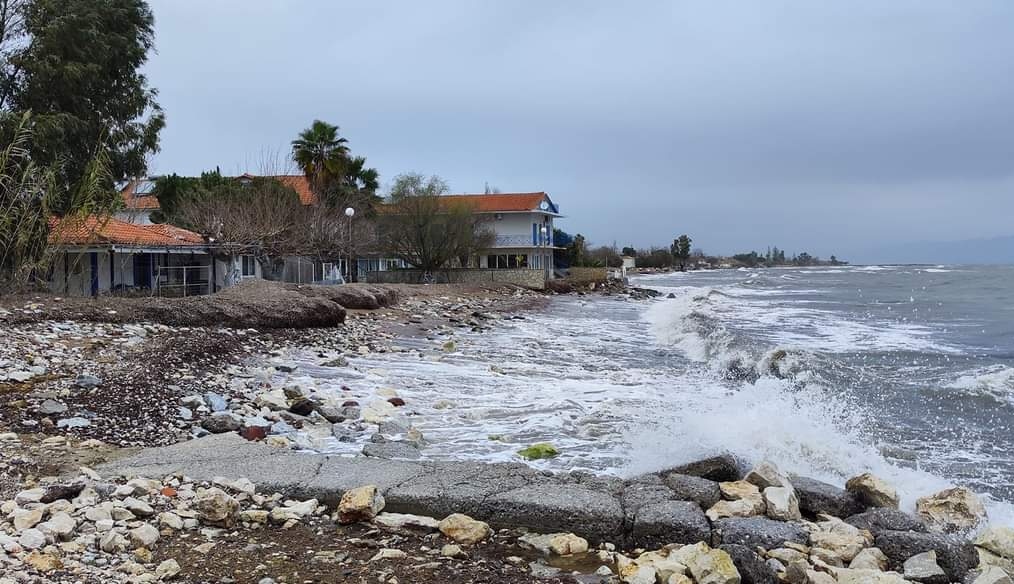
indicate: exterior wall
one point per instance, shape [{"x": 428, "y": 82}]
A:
[
  {"x": 515, "y": 229},
  {"x": 521, "y": 277},
  {"x": 581, "y": 275}
]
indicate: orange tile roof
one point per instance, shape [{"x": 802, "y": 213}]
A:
[
  {"x": 301, "y": 185},
  {"x": 93, "y": 230},
  {"x": 502, "y": 202},
  {"x": 139, "y": 201}
]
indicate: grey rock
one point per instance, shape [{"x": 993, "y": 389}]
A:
[
  {"x": 215, "y": 402},
  {"x": 816, "y": 497},
  {"x": 50, "y": 407},
  {"x": 541, "y": 571},
  {"x": 184, "y": 413},
  {"x": 392, "y": 427},
  {"x": 658, "y": 524},
  {"x": 954, "y": 554},
  {"x": 281, "y": 428},
  {"x": 756, "y": 531},
  {"x": 87, "y": 381},
  {"x": 77, "y": 422},
  {"x": 342, "y": 433},
  {"x": 880, "y": 519},
  {"x": 593, "y": 514},
  {"x": 351, "y": 412},
  {"x": 702, "y": 491},
  {"x": 752, "y": 568},
  {"x": 330, "y": 413},
  {"x": 717, "y": 468},
  {"x": 221, "y": 422},
  {"x": 403, "y": 450}
]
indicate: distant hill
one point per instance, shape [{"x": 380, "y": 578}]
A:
[{"x": 996, "y": 250}]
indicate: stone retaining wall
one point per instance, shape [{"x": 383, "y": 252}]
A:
[
  {"x": 529, "y": 278},
  {"x": 587, "y": 275}
]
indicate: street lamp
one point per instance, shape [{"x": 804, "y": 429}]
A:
[{"x": 349, "y": 212}]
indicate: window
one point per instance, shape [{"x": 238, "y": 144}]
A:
[
  {"x": 507, "y": 261},
  {"x": 249, "y": 266}
]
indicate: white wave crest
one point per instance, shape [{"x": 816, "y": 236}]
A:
[{"x": 996, "y": 381}]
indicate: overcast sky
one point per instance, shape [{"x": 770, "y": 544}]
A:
[{"x": 828, "y": 127}]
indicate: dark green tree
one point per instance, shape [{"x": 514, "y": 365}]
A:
[
  {"x": 79, "y": 74},
  {"x": 629, "y": 251},
  {"x": 338, "y": 178},
  {"x": 680, "y": 250}
]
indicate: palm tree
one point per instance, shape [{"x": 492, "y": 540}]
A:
[{"x": 318, "y": 151}]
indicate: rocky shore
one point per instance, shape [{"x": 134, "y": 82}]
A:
[{"x": 237, "y": 491}]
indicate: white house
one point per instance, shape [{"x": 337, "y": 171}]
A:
[
  {"x": 523, "y": 227},
  {"x": 139, "y": 202}
]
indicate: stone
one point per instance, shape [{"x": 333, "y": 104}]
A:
[
  {"x": 992, "y": 575},
  {"x": 722, "y": 468},
  {"x": 560, "y": 544},
  {"x": 816, "y": 497},
  {"x": 757, "y": 531},
  {"x": 663, "y": 562},
  {"x": 704, "y": 492},
  {"x": 215, "y": 507},
  {"x": 850, "y": 576},
  {"x": 293, "y": 510},
  {"x": 60, "y": 526},
  {"x": 143, "y": 536},
  {"x": 924, "y": 568},
  {"x": 988, "y": 558},
  {"x": 782, "y": 504},
  {"x": 869, "y": 559},
  {"x": 27, "y": 518},
  {"x": 463, "y": 529},
  {"x": 138, "y": 507},
  {"x": 360, "y": 504},
  {"x": 113, "y": 542},
  {"x": 872, "y": 491},
  {"x": 847, "y": 546},
  {"x": 76, "y": 422},
  {"x": 167, "y": 570},
  {"x": 665, "y": 522},
  {"x": 815, "y": 577},
  {"x": 951, "y": 511},
  {"x": 538, "y": 451},
  {"x": 253, "y": 433},
  {"x": 406, "y": 521},
  {"x": 86, "y": 381},
  {"x": 330, "y": 413},
  {"x": 765, "y": 475},
  {"x": 751, "y": 567},
  {"x": 258, "y": 516},
  {"x": 787, "y": 555},
  {"x": 997, "y": 539},
  {"x": 392, "y": 450},
  {"x": 170, "y": 520},
  {"x": 215, "y": 402},
  {"x": 302, "y": 406},
  {"x": 452, "y": 550},
  {"x": 273, "y": 400},
  {"x": 62, "y": 491},
  {"x": 31, "y": 539},
  {"x": 389, "y": 554},
  {"x": 631, "y": 572},
  {"x": 222, "y": 422},
  {"x": 883, "y": 519},
  {"x": 736, "y": 490},
  {"x": 43, "y": 562},
  {"x": 955, "y": 555},
  {"x": 740, "y": 508},
  {"x": 707, "y": 565},
  {"x": 50, "y": 407}
]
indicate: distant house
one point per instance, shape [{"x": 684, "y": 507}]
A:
[
  {"x": 99, "y": 255},
  {"x": 522, "y": 224},
  {"x": 139, "y": 202}
]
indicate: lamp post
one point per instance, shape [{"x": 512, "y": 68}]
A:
[{"x": 349, "y": 212}]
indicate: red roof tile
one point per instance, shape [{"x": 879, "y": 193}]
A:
[
  {"x": 502, "y": 202},
  {"x": 92, "y": 230},
  {"x": 301, "y": 185},
  {"x": 139, "y": 201}
]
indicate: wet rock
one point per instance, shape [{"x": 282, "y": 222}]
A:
[
  {"x": 998, "y": 540},
  {"x": 845, "y": 545},
  {"x": 463, "y": 529},
  {"x": 215, "y": 402},
  {"x": 849, "y": 576},
  {"x": 782, "y": 504},
  {"x": 924, "y": 568},
  {"x": 662, "y": 561},
  {"x": 950, "y": 511},
  {"x": 816, "y": 497},
  {"x": 86, "y": 381},
  {"x": 765, "y": 475},
  {"x": 302, "y": 406},
  {"x": 405, "y": 521},
  {"x": 330, "y": 413},
  {"x": 50, "y": 407},
  {"x": 718, "y": 468},
  {"x": 76, "y": 422},
  {"x": 351, "y": 412},
  {"x": 869, "y": 559},
  {"x": 392, "y": 450},
  {"x": 992, "y": 575},
  {"x": 253, "y": 433},
  {"x": 538, "y": 451},
  {"x": 360, "y": 504},
  {"x": 884, "y": 519},
  {"x": 872, "y": 491},
  {"x": 707, "y": 565},
  {"x": 704, "y": 492},
  {"x": 215, "y": 507},
  {"x": 273, "y": 400},
  {"x": 956, "y": 556},
  {"x": 661, "y": 523},
  {"x": 396, "y": 401},
  {"x": 751, "y": 567},
  {"x": 222, "y": 422},
  {"x": 559, "y": 544},
  {"x": 757, "y": 531}
]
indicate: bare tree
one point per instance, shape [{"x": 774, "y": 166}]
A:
[{"x": 427, "y": 230}]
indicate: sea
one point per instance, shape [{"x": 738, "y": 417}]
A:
[{"x": 903, "y": 371}]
